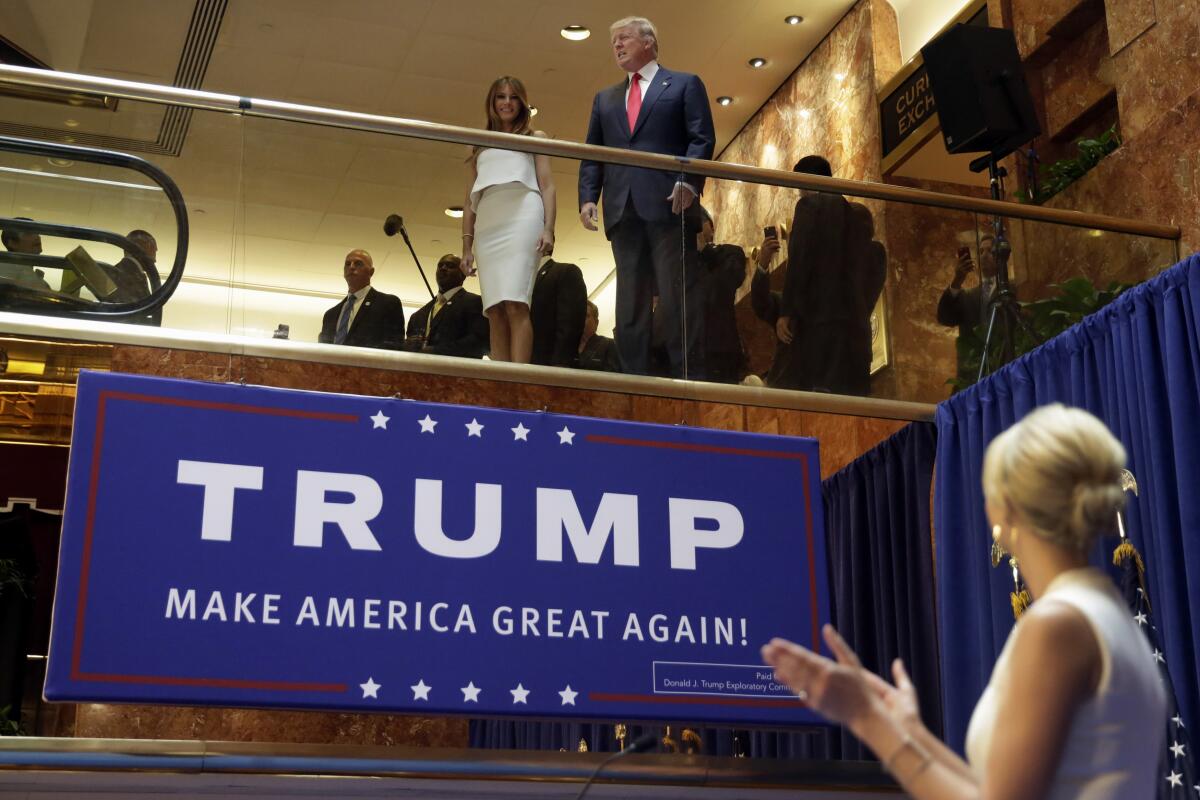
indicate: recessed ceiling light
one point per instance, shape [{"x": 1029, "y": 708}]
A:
[
  {"x": 199, "y": 211},
  {"x": 576, "y": 33},
  {"x": 69, "y": 139},
  {"x": 724, "y": 100},
  {"x": 533, "y": 111},
  {"x": 61, "y": 162},
  {"x": 454, "y": 211},
  {"x": 793, "y": 19},
  {"x": 757, "y": 63},
  {"x": 71, "y": 123}
]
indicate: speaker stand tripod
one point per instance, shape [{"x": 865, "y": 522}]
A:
[{"x": 1002, "y": 306}]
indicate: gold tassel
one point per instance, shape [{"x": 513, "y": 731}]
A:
[
  {"x": 1020, "y": 602},
  {"x": 1125, "y": 552}
]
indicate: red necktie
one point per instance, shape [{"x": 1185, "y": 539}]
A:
[{"x": 634, "y": 104}]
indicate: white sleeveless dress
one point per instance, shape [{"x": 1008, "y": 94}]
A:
[
  {"x": 509, "y": 218},
  {"x": 1113, "y": 748}
]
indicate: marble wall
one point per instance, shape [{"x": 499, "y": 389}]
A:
[
  {"x": 843, "y": 438},
  {"x": 1090, "y": 62}
]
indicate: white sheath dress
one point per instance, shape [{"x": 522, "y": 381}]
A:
[{"x": 509, "y": 217}]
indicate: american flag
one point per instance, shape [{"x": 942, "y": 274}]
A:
[{"x": 1176, "y": 766}]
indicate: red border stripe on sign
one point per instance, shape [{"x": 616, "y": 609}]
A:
[{"x": 89, "y": 530}]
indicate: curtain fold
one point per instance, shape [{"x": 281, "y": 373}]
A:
[
  {"x": 877, "y": 515},
  {"x": 1136, "y": 365}
]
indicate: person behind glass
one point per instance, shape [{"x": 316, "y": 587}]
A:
[
  {"x": 766, "y": 302},
  {"x": 508, "y": 222},
  {"x": 649, "y": 214},
  {"x": 19, "y": 240},
  {"x": 557, "y": 311},
  {"x": 968, "y": 308},
  {"x": 818, "y": 291},
  {"x": 1075, "y": 707},
  {"x": 866, "y": 261},
  {"x": 722, "y": 273},
  {"x": 451, "y": 324},
  {"x": 366, "y": 317},
  {"x": 130, "y": 277},
  {"x": 596, "y": 352}
]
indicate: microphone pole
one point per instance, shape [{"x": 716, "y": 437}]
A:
[
  {"x": 395, "y": 223},
  {"x": 638, "y": 745}
]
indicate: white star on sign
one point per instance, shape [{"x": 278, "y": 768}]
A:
[
  {"x": 1175, "y": 778},
  {"x": 1140, "y": 618},
  {"x": 565, "y": 436},
  {"x": 471, "y": 693},
  {"x": 427, "y": 424},
  {"x": 370, "y": 688},
  {"x": 1178, "y": 720},
  {"x": 474, "y": 428},
  {"x": 1159, "y": 657},
  {"x": 519, "y": 694},
  {"x": 1177, "y": 749},
  {"x": 568, "y": 696},
  {"x": 380, "y": 420},
  {"x": 420, "y": 690},
  {"x": 520, "y": 433}
]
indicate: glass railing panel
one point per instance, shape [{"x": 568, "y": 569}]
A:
[
  {"x": 275, "y": 207},
  {"x": 314, "y": 195},
  {"x": 1054, "y": 274},
  {"x": 894, "y": 286}
]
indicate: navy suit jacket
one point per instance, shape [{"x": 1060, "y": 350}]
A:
[
  {"x": 675, "y": 120},
  {"x": 378, "y": 323}
]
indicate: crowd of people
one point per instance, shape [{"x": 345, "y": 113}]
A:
[{"x": 675, "y": 295}]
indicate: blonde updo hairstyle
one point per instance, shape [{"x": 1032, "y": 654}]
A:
[{"x": 1059, "y": 468}]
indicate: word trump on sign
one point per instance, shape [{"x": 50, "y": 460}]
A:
[{"x": 557, "y": 515}]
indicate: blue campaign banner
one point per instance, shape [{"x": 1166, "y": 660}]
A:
[{"x": 239, "y": 545}]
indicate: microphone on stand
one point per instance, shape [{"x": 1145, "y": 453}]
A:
[
  {"x": 395, "y": 224},
  {"x": 638, "y": 745}
]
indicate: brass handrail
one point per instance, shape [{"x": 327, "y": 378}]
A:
[{"x": 419, "y": 129}]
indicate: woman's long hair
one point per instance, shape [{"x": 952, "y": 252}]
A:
[{"x": 521, "y": 123}]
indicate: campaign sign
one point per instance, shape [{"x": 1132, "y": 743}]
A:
[{"x": 238, "y": 545}]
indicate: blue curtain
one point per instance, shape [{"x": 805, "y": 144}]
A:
[
  {"x": 1136, "y": 365},
  {"x": 877, "y": 513}
]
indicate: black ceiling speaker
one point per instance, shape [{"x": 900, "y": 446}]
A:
[{"x": 982, "y": 98}]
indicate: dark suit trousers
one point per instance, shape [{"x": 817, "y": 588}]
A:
[{"x": 658, "y": 258}]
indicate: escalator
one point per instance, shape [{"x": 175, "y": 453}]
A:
[{"x": 76, "y": 283}]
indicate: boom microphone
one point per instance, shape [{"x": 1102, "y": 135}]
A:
[
  {"x": 395, "y": 224},
  {"x": 638, "y": 745}
]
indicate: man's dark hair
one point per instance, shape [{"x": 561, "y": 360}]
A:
[
  {"x": 8, "y": 235},
  {"x": 814, "y": 165},
  {"x": 138, "y": 233},
  {"x": 450, "y": 258}
]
